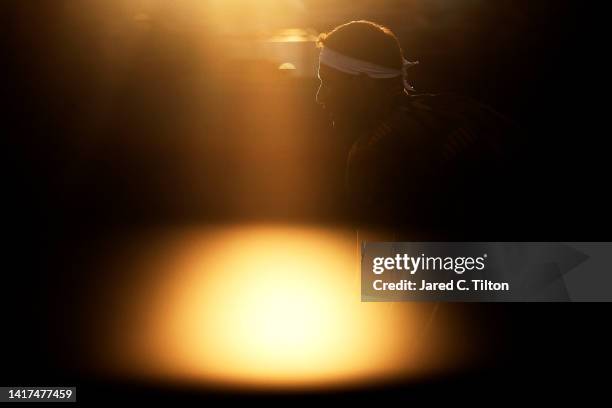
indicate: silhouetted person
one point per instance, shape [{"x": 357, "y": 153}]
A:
[{"x": 427, "y": 163}]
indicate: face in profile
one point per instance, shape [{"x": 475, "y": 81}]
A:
[
  {"x": 355, "y": 102},
  {"x": 343, "y": 97}
]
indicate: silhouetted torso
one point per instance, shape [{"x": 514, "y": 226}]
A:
[{"x": 438, "y": 163}]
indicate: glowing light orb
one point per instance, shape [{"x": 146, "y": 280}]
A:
[{"x": 271, "y": 307}]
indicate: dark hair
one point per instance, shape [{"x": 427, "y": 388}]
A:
[{"x": 367, "y": 41}]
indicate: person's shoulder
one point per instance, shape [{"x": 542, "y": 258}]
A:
[
  {"x": 440, "y": 103},
  {"x": 453, "y": 106}
]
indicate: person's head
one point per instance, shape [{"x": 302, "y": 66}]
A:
[{"x": 361, "y": 72}]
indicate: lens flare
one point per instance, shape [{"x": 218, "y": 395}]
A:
[
  {"x": 286, "y": 66},
  {"x": 265, "y": 307}
]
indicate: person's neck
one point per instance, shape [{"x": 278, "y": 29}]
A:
[
  {"x": 368, "y": 124},
  {"x": 380, "y": 115}
]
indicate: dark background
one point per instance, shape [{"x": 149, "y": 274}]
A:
[{"x": 94, "y": 150}]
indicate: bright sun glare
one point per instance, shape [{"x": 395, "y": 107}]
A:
[{"x": 265, "y": 307}]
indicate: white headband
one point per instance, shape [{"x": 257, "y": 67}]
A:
[{"x": 354, "y": 66}]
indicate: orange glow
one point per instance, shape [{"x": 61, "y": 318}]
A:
[
  {"x": 294, "y": 35},
  {"x": 271, "y": 307}
]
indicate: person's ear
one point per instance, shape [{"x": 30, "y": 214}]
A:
[
  {"x": 385, "y": 89},
  {"x": 394, "y": 89},
  {"x": 363, "y": 83},
  {"x": 398, "y": 89}
]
